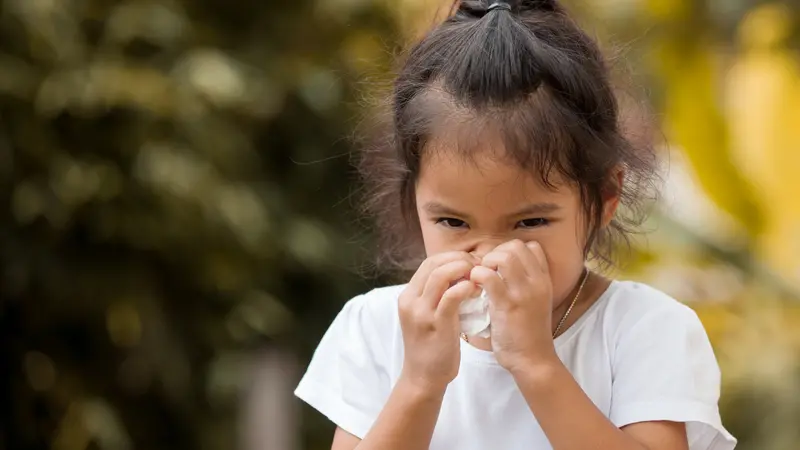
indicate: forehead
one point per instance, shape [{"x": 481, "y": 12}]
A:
[{"x": 485, "y": 176}]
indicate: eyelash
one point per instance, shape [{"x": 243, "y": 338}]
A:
[
  {"x": 448, "y": 222},
  {"x": 540, "y": 222}
]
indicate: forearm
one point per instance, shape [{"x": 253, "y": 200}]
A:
[
  {"x": 408, "y": 419},
  {"x": 566, "y": 414}
]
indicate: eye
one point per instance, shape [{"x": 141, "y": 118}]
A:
[
  {"x": 533, "y": 223},
  {"x": 449, "y": 222}
]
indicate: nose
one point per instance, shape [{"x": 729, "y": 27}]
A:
[{"x": 484, "y": 246}]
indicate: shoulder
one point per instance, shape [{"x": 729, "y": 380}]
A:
[
  {"x": 379, "y": 300},
  {"x": 631, "y": 302},
  {"x": 375, "y": 309},
  {"x": 636, "y": 310},
  {"x": 382, "y": 297}
]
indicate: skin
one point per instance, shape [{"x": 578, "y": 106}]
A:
[{"x": 480, "y": 218}]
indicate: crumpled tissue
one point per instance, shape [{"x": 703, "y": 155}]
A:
[{"x": 474, "y": 316}]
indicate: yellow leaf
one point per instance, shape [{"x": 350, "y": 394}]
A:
[
  {"x": 763, "y": 90},
  {"x": 694, "y": 122}
]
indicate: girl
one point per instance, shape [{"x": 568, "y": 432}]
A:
[{"x": 506, "y": 166}]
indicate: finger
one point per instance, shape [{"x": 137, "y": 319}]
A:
[
  {"x": 508, "y": 264},
  {"x": 526, "y": 257},
  {"x": 442, "y": 278},
  {"x": 538, "y": 252},
  {"x": 420, "y": 278},
  {"x": 454, "y": 296},
  {"x": 490, "y": 281}
]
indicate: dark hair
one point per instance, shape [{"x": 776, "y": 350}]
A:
[{"x": 534, "y": 75}]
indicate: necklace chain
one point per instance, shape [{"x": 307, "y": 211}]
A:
[
  {"x": 572, "y": 305},
  {"x": 566, "y": 313}
]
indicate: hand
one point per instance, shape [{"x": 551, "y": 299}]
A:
[
  {"x": 428, "y": 309},
  {"x": 516, "y": 277}
]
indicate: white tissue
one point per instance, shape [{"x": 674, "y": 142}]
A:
[{"x": 474, "y": 316}]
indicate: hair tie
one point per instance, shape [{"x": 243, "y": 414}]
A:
[{"x": 498, "y": 5}]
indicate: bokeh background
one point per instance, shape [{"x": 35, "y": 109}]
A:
[{"x": 177, "y": 205}]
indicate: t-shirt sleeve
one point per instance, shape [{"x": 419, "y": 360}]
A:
[
  {"x": 665, "y": 370},
  {"x": 347, "y": 379}
]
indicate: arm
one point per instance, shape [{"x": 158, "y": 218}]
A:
[
  {"x": 523, "y": 343},
  {"x": 428, "y": 314},
  {"x": 572, "y": 422},
  {"x": 406, "y": 422}
]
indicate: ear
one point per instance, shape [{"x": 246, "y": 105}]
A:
[{"x": 612, "y": 193}]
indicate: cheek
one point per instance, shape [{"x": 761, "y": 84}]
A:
[
  {"x": 564, "y": 251},
  {"x": 565, "y": 239},
  {"x": 434, "y": 240},
  {"x": 565, "y": 269}
]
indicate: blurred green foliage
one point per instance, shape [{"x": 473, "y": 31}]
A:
[{"x": 176, "y": 196}]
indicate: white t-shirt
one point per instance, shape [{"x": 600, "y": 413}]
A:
[{"x": 637, "y": 353}]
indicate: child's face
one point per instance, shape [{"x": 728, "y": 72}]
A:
[{"x": 477, "y": 205}]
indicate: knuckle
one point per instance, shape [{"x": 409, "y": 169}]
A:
[
  {"x": 421, "y": 317},
  {"x": 535, "y": 248},
  {"x": 426, "y": 263},
  {"x": 438, "y": 272},
  {"x": 447, "y": 270},
  {"x": 463, "y": 265},
  {"x": 404, "y": 297},
  {"x": 451, "y": 255},
  {"x": 478, "y": 272},
  {"x": 487, "y": 260},
  {"x": 517, "y": 244},
  {"x": 513, "y": 244},
  {"x": 404, "y": 306},
  {"x": 435, "y": 261},
  {"x": 512, "y": 295},
  {"x": 506, "y": 258}
]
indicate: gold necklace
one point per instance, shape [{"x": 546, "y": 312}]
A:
[{"x": 566, "y": 313}]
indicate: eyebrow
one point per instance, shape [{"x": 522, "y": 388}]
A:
[
  {"x": 537, "y": 208},
  {"x": 437, "y": 208}
]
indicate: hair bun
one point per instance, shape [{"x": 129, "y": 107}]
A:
[
  {"x": 476, "y": 9},
  {"x": 536, "y": 5},
  {"x": 479, "y": 8}
]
